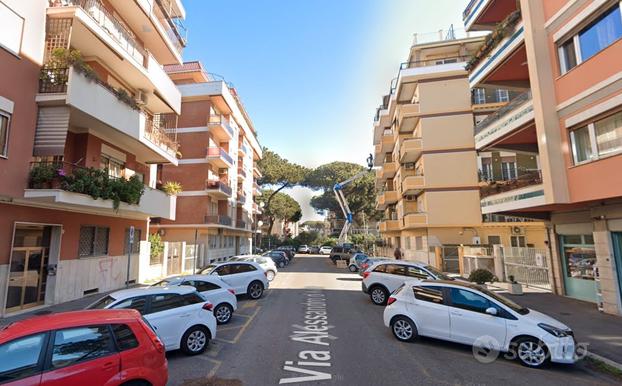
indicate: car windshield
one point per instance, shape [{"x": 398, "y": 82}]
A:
[
  {"x": 505, "y": 301},
  {"x": 440, "y": 275},
  {"x": 102, "y": 303},
  {"x": 207, "y": 270}
]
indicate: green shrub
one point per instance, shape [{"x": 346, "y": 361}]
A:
[
  {"x": 157, "y": 245},
  {"x": 42, "y": 174},
  {"x": 481, "y": 276}
]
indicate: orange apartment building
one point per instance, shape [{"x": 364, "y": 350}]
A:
[
  {"x": 217, "y": 170},
  {"x": 86, "y": 113},
  {"x": 562, "y": 57}
]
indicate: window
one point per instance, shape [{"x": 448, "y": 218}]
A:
[
  {"x": 567, "y": 56},
  {"x": 242, "y": 268},
  {"x": 417, "y": 273},
  {"x": 192, "y": 298},
  {"x": 494, "y": 240},
  {"x": 579, "y": 256},
  {"x": 609, "y": 134},
  {"x": 396, "y": 269},
  {"x": 136, "y": 244},
  {"x": 201, "y": 286},
  {"x": 102, "y": 303},
  {"x": 224, "y": 270},
  {"x": 5, "y": 120},
  {"x": 407, "y": 242},
  {"x": 468, "y": 300},
  {"x": 76, "y": 345},
  {"x": 382, "y": 268},
  {"x": 126, "y": 340},
  {"x": 581, "y": 145},
  {"x": 508, "y": 170},
  {"x": 93, "y": 241},
  {"x": 419, "y": 243},
  {"x": 137, "y": 303},
  {"x": 517, "y": 241},
  {"x": 20, "y": 358},
  {"x": 12, "y": 29},
  {"x": 503, "y": 95},
  {"x": 165, "y": 302},
  {"x": 479, "y": 96},
  {"x": 429, "y": 294},
  {"x": 114, "y": 166}
]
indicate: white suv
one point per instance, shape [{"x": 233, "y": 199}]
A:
[
  {"x": 181, "y": 317},
  {"x": 382, "y": 278},
  {"x": 244, "y": 277},
  {"x": 468, "y": 314},
  {"x": 265, "y": 262},
  {"x": 216, "y": 291}
]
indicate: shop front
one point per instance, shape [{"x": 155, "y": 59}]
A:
[{"x": 578, "y": 256}]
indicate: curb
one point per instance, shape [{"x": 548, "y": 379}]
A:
[{"x": 604, "y": 360}]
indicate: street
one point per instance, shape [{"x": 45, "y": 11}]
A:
[{"x": 275, "y": 340}]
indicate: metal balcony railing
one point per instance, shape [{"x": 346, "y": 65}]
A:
[
  {"x": 173, "y": 24},
  {"x": 160, "y": 130},
  {"x": 242, "y": 172},
  {"x": 214, "y": 151},
  {"x": 218, "y": 220},
  {"x": 220, "y": 120},
  {"x": 241, "y": 224},
  {"x": 219, "y": 186},
  {"x": 523, "y": 179},
  {"x": 434, "y": 62},
  {"x": 502, "y": 112},
  {"x": 53, "y": 80},
  {"x": 241, "y": 198}
]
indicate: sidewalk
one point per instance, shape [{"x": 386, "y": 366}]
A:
[{"x": 602, "y": 331}]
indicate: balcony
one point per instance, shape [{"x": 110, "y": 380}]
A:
[
  {"x": 219, "y": 126},
  {"x": 243, "y": 149},
  {"x": 218, "y": 189},
  {"x": 219, "y": 157},
  {"x": 388, "y": 170},
  {"x": 415, "y": 220},
  {"x": 387, "y": 141},
  {"x": 410, "y": 150},
  {"x": 386, "y": 198},
  {"x": 413, "y": 185},
  {"x": 256, "y": 172},
  {"x": 256, "y": 188},
  {"x": 109, "y": 113},
  {"x": 240, "y": 224},
  {"x": 390, "y": 226},
  {"x": 505, "y": 121},
  {"x": 484, "y": 14},
  {"x": 218, "y": 220},
  {"x": 241, "y": 199},
  {"x": 522, "y": 192},
  {"x": 408, "y": 117},
  {"x": 98, "y": 33}
]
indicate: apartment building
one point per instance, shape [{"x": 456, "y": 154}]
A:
[
  {"x": 86, "y": 112},
  {"x": 562, "y": 58},
  {"x": 218, "y": 149}
]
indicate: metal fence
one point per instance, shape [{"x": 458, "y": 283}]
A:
[
  {"x": 529, "y": 266},
  {"x": 451, "y": 261}
]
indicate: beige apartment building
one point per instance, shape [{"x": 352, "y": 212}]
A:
[
  {"x": 217, "y": 170},
  {"x": 428, "y": 166},
  {"x": 562, "y": 59},
  {"x": 87, "y": 112}
]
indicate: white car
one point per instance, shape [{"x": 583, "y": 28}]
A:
[
  {"x": 266, "y": 263},
  {"x": 216, "y": 291},
  {"x": 303, "y": 249},
  {"x": 181, "y": 317},
  {"x": 384, "y": 277},
  {"x": 325, "y": 250},
  {"x": 245, "y": 277},
  {"x": 469, "y": 314}
]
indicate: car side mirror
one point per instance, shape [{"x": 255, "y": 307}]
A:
[
  {"x": 214, "y": 273},
  {"x": 491, "y": 311}
]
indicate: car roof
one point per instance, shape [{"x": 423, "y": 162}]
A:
[
  {"x": 128, "y": 293},
  {"x": 65, "y": 320},
  {"x": 403, "y": 262},
  {"x": 447, "y": 283},
  {"x": 180, "y": 278}
]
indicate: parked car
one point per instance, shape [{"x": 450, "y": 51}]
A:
[
  {"x": 216, "y": 291},
  {"x": 303, "y": 249},
  {"x": 371, "y": 261},
  {"x": 341, "y": 253},
  {"x": 382, "y": 278},
  {"x": 246, "y": 277},
  {"x": 181, "y": 317},
  {"x": 289, "y": 250},
  {"x": 99, "y": 347},
  {"x": 278, "y": 257},
  {"x": 266, "y": 263},
  {"x": 464, "y": 313},
  {"x": 314, "y": 250},
  {"x": 325, "y": 250},
  {"x": 356, "y": 261}
]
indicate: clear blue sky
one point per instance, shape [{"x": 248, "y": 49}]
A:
[{"x": 312, "y": 72}]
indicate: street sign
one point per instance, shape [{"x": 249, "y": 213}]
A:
[{"x": 132, "y": 235}]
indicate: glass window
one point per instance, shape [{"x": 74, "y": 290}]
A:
[
  {"x": 124, "y": 336},
  {"x": 479, "y": 96},
  {"x": 609, "y": 134},
  {"x": 581, "y": 145},
  {"x": 382, "y": 268},
  {"x": 102, "y": 303},
  {"x": 137, "y": 304},
  {"x": 224, "y": 270},
  {"x": 396, "y": 269},
  {"x": 201, "y": 286},
  {"x": 93, "y": 241},
  {"x": 20, "y": 357},
  {"x": 114, "y": 166},
  {"x": 75, "y": 345},
  {"x": 468, "y": 300},
  {"x": 503, "y": 95},
  {"x": 517, "y": 241},
  {"x": 568, "y": 56},
  {"x": 419, "y": 243},
  {"x": 165, "y": 302},
  {"x": 601, "y": 33},
  {"x": 580, "y": 258},
  {"x": 4, "y": 133},
  {"x": 192, "y": 298},
  {"x": 509, "y": 170},
  {"x": 417, "y": 273},
  {"x": 429, "y": 294},
  {"x": 494, "y": 240}
]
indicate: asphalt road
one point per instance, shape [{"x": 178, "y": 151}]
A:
[{"x": 315, "y": 326}]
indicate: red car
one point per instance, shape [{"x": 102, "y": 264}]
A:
[{"x": 94, "y": 347}]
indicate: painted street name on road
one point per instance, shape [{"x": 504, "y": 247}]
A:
[{"x": 314, "y": 332}]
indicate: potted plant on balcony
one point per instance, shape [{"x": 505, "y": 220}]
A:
[
  {"x": 172, "y": 188},
  {"x": 516, "y": 288},
  {"x": 42, "y": 175},
  {"x": 481, "y": 277}
]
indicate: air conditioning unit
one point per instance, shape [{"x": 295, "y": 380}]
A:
[
  {"x": 141, "y": 97},
  {"x": 517, "y": 231},
  {"x": 409, "y": 165},
  {"x": 476, "y": 240}
]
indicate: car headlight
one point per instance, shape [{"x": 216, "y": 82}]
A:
[{"x": 555, "y": 331}]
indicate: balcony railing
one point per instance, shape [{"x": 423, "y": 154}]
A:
[
  {"x": 240, "y": 224},
  {"x": 433, "y": 62},
  {"x": 468, "y": 9},
  {"x": 53, "y": 80},
  {"x": 241, "y": 198},
  {"x": 491, "y": 96},
  {"x": 161, "y": 132},
  {"x": 502, "y": 112},
  {"x": 115, "y": 28},
  {"x": 214, "y": 151},
  {"x": 216, "y": 119},
  {"x": 218, "y": 220},
  {"x": 173, "y": 24},
  {"x": 219, "y": 186},
  {"x": 523, "y": 179},
  {"x": 242, "y": 172},
  {"x": 502, "y": 30}
]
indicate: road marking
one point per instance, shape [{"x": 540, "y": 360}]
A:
[{"x": 242, "y": 328}]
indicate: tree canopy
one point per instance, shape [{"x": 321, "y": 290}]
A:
[
  {"x": 282, "y": 207},
  {"x": 278, "y": 171}
]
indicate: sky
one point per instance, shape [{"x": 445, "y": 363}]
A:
[{"x": 312, "y": 72}]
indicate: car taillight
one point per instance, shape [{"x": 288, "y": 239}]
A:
[
  {"x": 365, "y": 274},
  {"x": 391, "y": 300},
  {"x": 208, "y": 306},
  {"x": 158, "y": 344},
  {"x": 265, "y": 273},
  {"x": 232, "y": 291}
]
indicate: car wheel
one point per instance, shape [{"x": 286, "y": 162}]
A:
[
  {"x": 281, "y": 264},
  {"x": 531, "y": 352},
  {"x": 404, "y": 329},
  {"x": 195, "y": 340},
  {"x": 270, "y": 275},
  {"x": 353, "y": 268},
  {"x": 255, "y": 290},
  {"x": 379, "y": 295},
  {"x": 223, "y": 313}
]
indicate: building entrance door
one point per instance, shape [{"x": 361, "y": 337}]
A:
[
  {"x": 617, "y": 250},
  {"x": 28, "y": 268}
]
